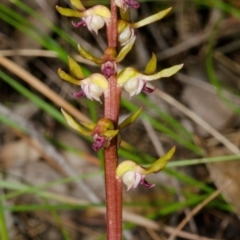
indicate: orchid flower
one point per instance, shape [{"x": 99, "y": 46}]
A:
[
  {"x": 135, "y": 82},
  {"x": 127, "y": 30},
  {"x": 133, "y": 174},
  {"x": 92, "y": 87},
  {"x": 93, "y": 18},
  {"x": 108, "y": 67},
  {"x": 103, "y": 131}
]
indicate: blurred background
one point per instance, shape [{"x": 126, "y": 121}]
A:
[{"x": 51, "y": 182}]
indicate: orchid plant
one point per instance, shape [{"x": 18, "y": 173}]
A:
[{"x": 109, "y": 83}]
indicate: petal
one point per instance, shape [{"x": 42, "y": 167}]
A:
[
  {"x": 131, "y": 179},
  {"x": 98, "y": 142},
  {"x": 99, "y": 80},
  {"x": 132, "y": 3},
  {"x": 69, "y": 12},
  {"x": 94, "y": 23},
  {"x": 126, "y": 74},
  {"x": 92, "y": 90},
  {"x": 85, "y": 54},
  {"x": 109, "y": 68},
  {"x": 134, "y": 86},
  {"x": 71, "y": 122},
  {"x": 138, "y": 178},
  {"x": 145, "y": 183},
  {"x": 160, "y": 163},
  {"x": 168, "y": 72},
  {"x": 66, "y": 77},
  {"x": 131, "y": 119},
  {"x": 151, "y": 66},
  {"x": 77, "y": 4},
  {"x": 78, "y": 94},
  {"x": 125, "y": 50},
  {"x": 79, "y": 24},
  {"x": 151, "y": 19},
  {"x": 125, "y": 166},
  {"x": 99, "y": 10},
  {"x": 110, "y": 133},
  {"x": 146, "y": 89},
  {"x": 126, "y": 36},
  {"x": 75, "y": 69}
]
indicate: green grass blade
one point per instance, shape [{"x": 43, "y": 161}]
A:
[
  {"x": 162, "y": 128},
  {"x": 3, "y": 225},
  {"x": 53, "y": 112}
]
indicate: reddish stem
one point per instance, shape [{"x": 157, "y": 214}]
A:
[{"x": 111, "y": 111}]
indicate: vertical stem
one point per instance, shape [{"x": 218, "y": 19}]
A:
[
  {"x": 111, "y": 111},
  {"x": 113, "y": 185}
]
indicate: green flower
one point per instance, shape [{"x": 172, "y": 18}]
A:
[
  {"x": 93, "y": 18},
  {"x": 135, "y": 82},
  {"x": 92, "y": 87},
  {"x": 127, "y": 30},
  {"x": 133, "y": 174},
  {"x": 103, "y": 131}
]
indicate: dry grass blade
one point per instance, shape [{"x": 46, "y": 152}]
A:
[
  {"x": 40, "y": 53},
  {"x": 42, "y": 88},
  {"x": 233, "y": 148},
  {"x": 197, "y": 209}
]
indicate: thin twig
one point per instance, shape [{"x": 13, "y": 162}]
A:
[
  {"x": 233, "y": 148},
  {"x": 40, "y": 53}
]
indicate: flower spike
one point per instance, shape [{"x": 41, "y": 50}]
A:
[{"x": 133, "y": 174}]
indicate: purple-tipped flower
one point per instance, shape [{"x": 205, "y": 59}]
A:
[
  {"x": 125, "y": 4},
  {"x": 133, "y": 174},
  {"x": 103, "y": 131},
  {"x": 93, "y": 18},
  {"x": 92, "y": 22},
  {"x": 135, "y": 82},
  {"x": 92, "y": 87},
  {"x": 132, "y": 179},
  {"x": 127, "y": 30}
]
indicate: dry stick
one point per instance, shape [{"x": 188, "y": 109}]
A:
[
  {"x": 40, "y": 53},
  {"x": 42, "y": 88},
  {"x": 111, "y": 111},
  {"x": 233, "y": 148},
  {"x": 198, "y": 208}
]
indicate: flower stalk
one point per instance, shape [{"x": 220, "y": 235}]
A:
[
  {"x": 113, "y": 185},
  {"x": 106, "y": 87}
]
